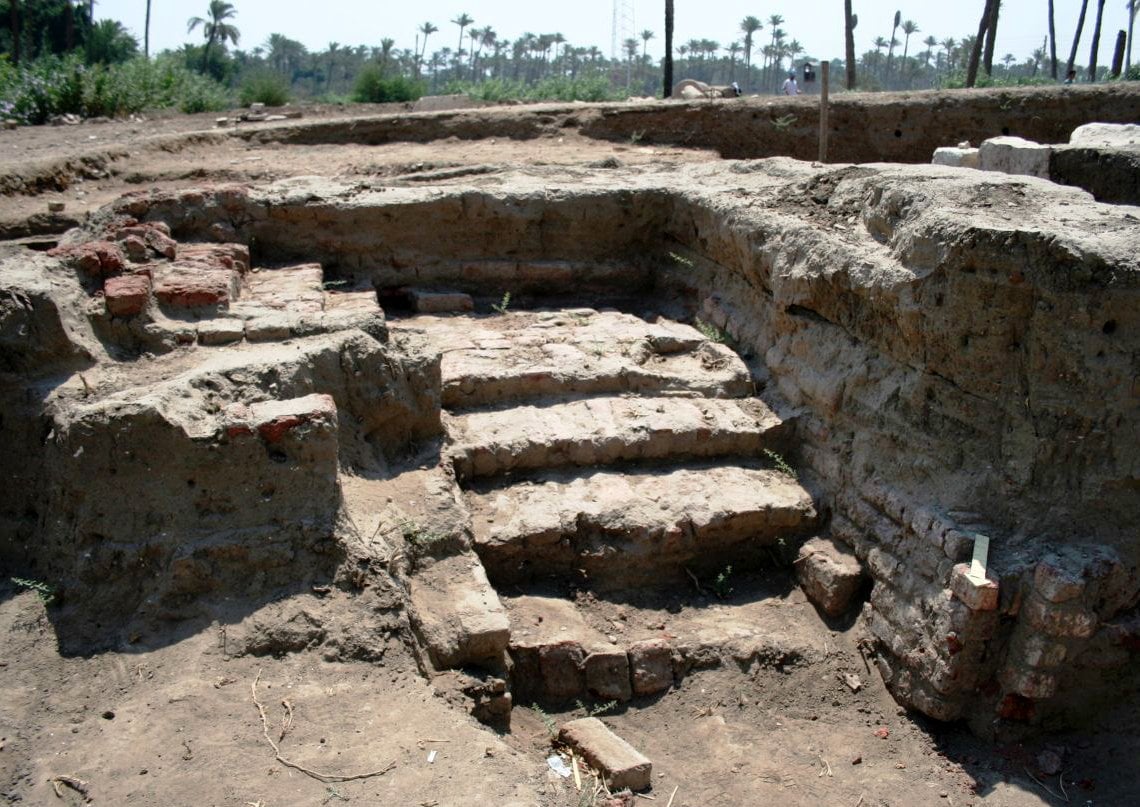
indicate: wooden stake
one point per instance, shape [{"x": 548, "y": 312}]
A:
[{"x": 825, "y": 87}]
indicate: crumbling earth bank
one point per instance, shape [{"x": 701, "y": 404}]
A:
[{"x": 944, "y": 354}]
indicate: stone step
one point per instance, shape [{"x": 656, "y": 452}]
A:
[
  {"x": 601, "y": 431},
  {"x": 562, "y": 651},
  {"x": 522, "y": 356},
  {"x": 457, "y": 616},
  {"x": 635, "y": 528}
]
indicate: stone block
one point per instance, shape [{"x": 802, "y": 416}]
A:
[
  {"x": 829, "y": 573},
  {"x": 126, "y": 295},
  {"x": 457, "y": 615},
  {"x": 651, "y": 666},
  {"x": 1067, "y": 620},
  {"x": 1106, "y": 134},
  {"x": 1034, "y": 650},
  {"x": 956, "y": 157},
  {"x": 1029, "y": 683},
  {"x": 1058, "y": 581},
  {"x": 976, "y": 595},
  {"x": 436, "y": 302},
  {"x": 607, "y": 675},
  {"x": 957, "y": 545},
  {"x": 1015, "y": 155},
  {"x": 269, "y": 328},
  {"x": 562, "y": 669},
  {"x": 222, "y": 331},
  {"x": 620, "y": 764}
]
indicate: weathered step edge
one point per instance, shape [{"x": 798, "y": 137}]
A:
[
  {"x": 616, "y": 530},
  {"x": 604, "y": 431}
]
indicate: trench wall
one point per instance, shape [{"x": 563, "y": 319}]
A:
[{"x": 865, "y": 127}]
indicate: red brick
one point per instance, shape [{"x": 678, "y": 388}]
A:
[
  {"x": 620, "y": 763},
  {"x": 274, "y": 419},
  {"x": 977, "y": 596},
  {"x": 127, "y": 295},
  {"x": 96, "y": 258},
  {"x": 192, "y": 286}
]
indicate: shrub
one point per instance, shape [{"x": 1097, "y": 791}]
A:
[
  {"x": 373, "y": 88},
  {"x": 264, "y": 89},
  {"x": 36, "y": 92}
]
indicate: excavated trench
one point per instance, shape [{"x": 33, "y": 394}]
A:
[{"x": 587, "y": 435}]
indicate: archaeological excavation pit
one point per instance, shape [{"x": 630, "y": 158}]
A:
[{"x": 575, "y": 440}]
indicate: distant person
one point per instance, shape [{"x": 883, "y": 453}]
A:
[
  {"x": 809, "y": 78},
  {"x": 790, "y": 86},
  {"x": 1071, "y": 78}
]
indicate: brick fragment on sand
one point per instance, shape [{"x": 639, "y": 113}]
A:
[
  {"x": 976, "y": 595},
  {"x": 126, "y": 295},
  {"x": 829, "y": 573},
  {"x": 620, "y": 764}
]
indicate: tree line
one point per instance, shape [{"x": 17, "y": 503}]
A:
[{"x": 470, "y": 57}]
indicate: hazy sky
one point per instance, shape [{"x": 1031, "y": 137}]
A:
[{"x": 817, "y": 25}]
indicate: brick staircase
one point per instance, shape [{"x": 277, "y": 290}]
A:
[{"x": 600, "y": 452}]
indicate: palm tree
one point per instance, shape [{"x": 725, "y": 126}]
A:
[
  {"x": 215, "y": 28},
  {"x": 950, "y": 47},
  {"x": 734, "y": 48},
  {"x": 894, "y": 42},
  {"x": 386, "y": 46},
  {"x": 991, "y": 36},
  {"x": 146, "y": 32},
  {"x": 774, "y": 23},
  {"x": 1132, "y": 9},
  {"x": 750, "y": 25},
  {"x": 110, "y": 43},
  {"x": 931, "y": 43},
  {"x": 463, "y": 20},
  {"x": 646, "y": 35},
  {"x": 980, "y": 40},
  {"x": 668, "y": 60},
  {"x": 14, "y": 25},
  {"x": 851, "y": 20},
  {"x": 909, "y": 27},
  {"x": 427, "y": 29},
  {"x": 1077, "y": 37},
  {"x": 1053, "y": 42},
  {"x": 1096, "y": 40}
]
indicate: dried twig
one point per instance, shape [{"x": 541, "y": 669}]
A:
[
  {"x": 75, "y": 783},
  {"x": 286, "y": 719},
  {"x": 672, "y": 796},
  {"x": 1044, "y": 787},
  {"x": 1061, "y": 781},
  {"x": 696, "y": 582},
  {"x": 826, "y": 766},
  {"x": 320, "y": 777}
]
